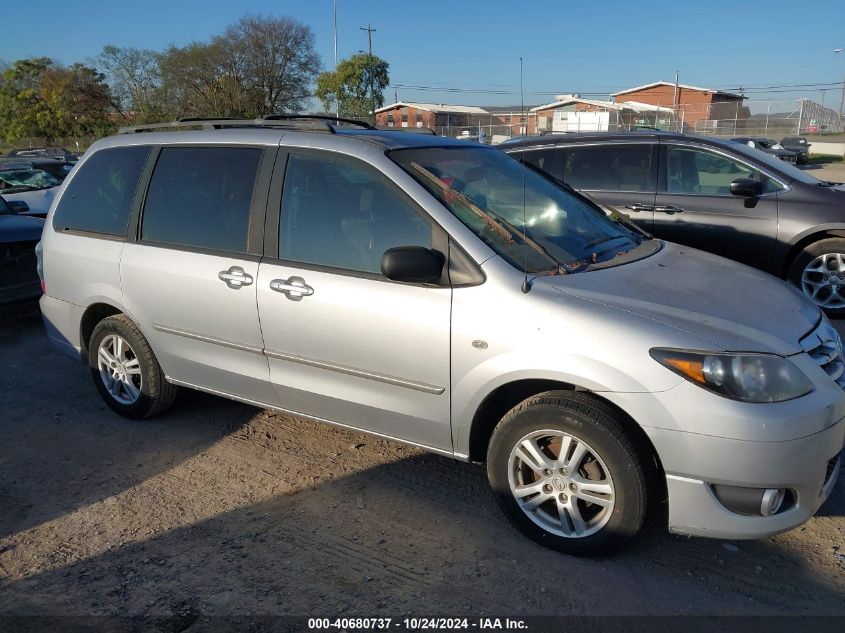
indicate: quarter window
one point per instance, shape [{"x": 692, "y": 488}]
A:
[
  {"x": 623, "y": 167},
  {"x": 201, "y": 197},
  {"x": 99, "y": 197},
  {"x": 344, "y": 215},
  {"x": 694, "y": 170}
]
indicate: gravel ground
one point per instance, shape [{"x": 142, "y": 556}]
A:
[{"x": 217, "y": 508}]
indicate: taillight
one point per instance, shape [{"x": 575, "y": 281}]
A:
[{"x": 43, "y": 287}]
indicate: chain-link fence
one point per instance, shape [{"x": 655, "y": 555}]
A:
[{"x": 773, "y": 118}]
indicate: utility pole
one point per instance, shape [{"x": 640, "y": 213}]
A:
[
  {"x": 370, "y": 30},
  {"x": 674, "y": 101}
]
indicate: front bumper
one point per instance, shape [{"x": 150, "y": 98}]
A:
[
  {"x": 704, "y": 440},
  {"x": 808, "y": 467}
]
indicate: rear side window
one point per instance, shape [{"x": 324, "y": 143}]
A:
[
  {"x": 200, "y": 197},
  {"x": 99, "y": 197},
  {"x": 623, "y": 167}
]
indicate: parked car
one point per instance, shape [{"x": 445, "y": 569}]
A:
[
  {"x": 58, "y": 169},
  {"x": 56, "y": 153},
  {"x": 22, "y": 182},
  {"x": 437, "y": 292},
  {"x": 18, "y": 237},
  {"x": 769, "y": 146},
  {"x": 715, "y": 195},
  {"x": 799, "y": 145}
]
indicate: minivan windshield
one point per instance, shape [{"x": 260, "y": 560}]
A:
[{"x": 525, "y": 217}]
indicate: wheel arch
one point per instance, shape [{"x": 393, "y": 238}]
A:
[
  {"x": 811, "y": 236},
  {"x": 94, "y": 313},
  {"x": 506, "y": 396}
]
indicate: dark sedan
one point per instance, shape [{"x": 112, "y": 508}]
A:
[
  {"x": 770, "y": 146},
  {"x": 18, "y": 236},
  {"x": 711, "y": 194},
  {"x": 799, "y": 145}
]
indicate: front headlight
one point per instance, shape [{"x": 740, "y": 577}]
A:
[{"x": 744, "y": 377}]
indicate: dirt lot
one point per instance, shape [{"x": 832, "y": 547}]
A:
[
  {"x": 834, "y": 172},
  {"x": 219, "y": 508}
]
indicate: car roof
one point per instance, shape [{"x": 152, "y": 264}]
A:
[
  {"x": 384, "y": 140},
  {"x": 578, "y": 137}
]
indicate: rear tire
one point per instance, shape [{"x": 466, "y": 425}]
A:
[
  {"x": 811, "y": 271},
  {"x": 125, "y": 370},
  {"x": 567, "y": 473}
]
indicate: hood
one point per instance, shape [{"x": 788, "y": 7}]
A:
[
  {"x": 39, "y": 201},
  {"x": 20, "y": 228},
  {"x": 727, "y": 305}
]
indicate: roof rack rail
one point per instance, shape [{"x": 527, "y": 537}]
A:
[
  {"x": 318, "y": 117},
  {"x": 410, "y": 130},
  {"x": 313, "y": 123}
]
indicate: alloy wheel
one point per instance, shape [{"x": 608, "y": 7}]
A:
[
  {"x": 823, "y": 280},
  {"x": 119, "y": 369},
  {"x": 561, "y": 483}
]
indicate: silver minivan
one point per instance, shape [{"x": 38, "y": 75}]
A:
[{"x": 439, "y": 293}]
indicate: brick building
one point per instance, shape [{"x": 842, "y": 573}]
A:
[
  {"x": 432, "y": 115},
  {"x": 692, "y": 105}
]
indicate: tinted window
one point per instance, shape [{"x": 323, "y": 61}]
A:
[
  {"x": 550, "y": 160},
  {"x": 692, "y": 170},
  {"x": 99, "y": 197},
  {"x": 201, "y": 197},
  {"x": 609, "y": 168},
  {"x": 345, "y": 215}
]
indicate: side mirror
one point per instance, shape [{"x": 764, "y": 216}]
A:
[
  {"x": 413, "y": 264},
  {"x": 746, "y": 187},
  {"x": 18, "y": 206}
]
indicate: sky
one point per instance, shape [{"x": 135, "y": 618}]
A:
[{"x": 468, "y": 51}]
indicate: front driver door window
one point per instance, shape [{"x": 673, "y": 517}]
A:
[{"x": 694, "y": 205}]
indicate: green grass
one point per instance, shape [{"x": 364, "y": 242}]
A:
[{"x": 823, "y": 159}]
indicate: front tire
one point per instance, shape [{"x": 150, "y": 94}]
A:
[
  {"x": 567, "y": 473},
  {"x": 125, "y": 370},
  {"x": 819, "y": 272}
]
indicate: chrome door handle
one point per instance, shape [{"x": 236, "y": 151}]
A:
[
  {"x": 235, "y": 277},
  {"x": 669, "y": 208},
  {"x": 640, "y": 207},
  {"x": 293, "y": 288}
]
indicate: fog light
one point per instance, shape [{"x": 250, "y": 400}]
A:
[
  {"x": 772, "y": 501},
  {"x": 753, "y": 501}
]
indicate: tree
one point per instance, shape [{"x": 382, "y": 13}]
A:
[
  {"x": 348, "y": 87},
  {"x": 278, "y": 59},
  {"x": 42, "y": 99},
  {"x": 259, "y": 66},
  {"x": 134, "y": 76},
  {"x": 20, "y": 101}
]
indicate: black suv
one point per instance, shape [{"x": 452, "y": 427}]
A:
[{"x": 713, "y": 194}]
